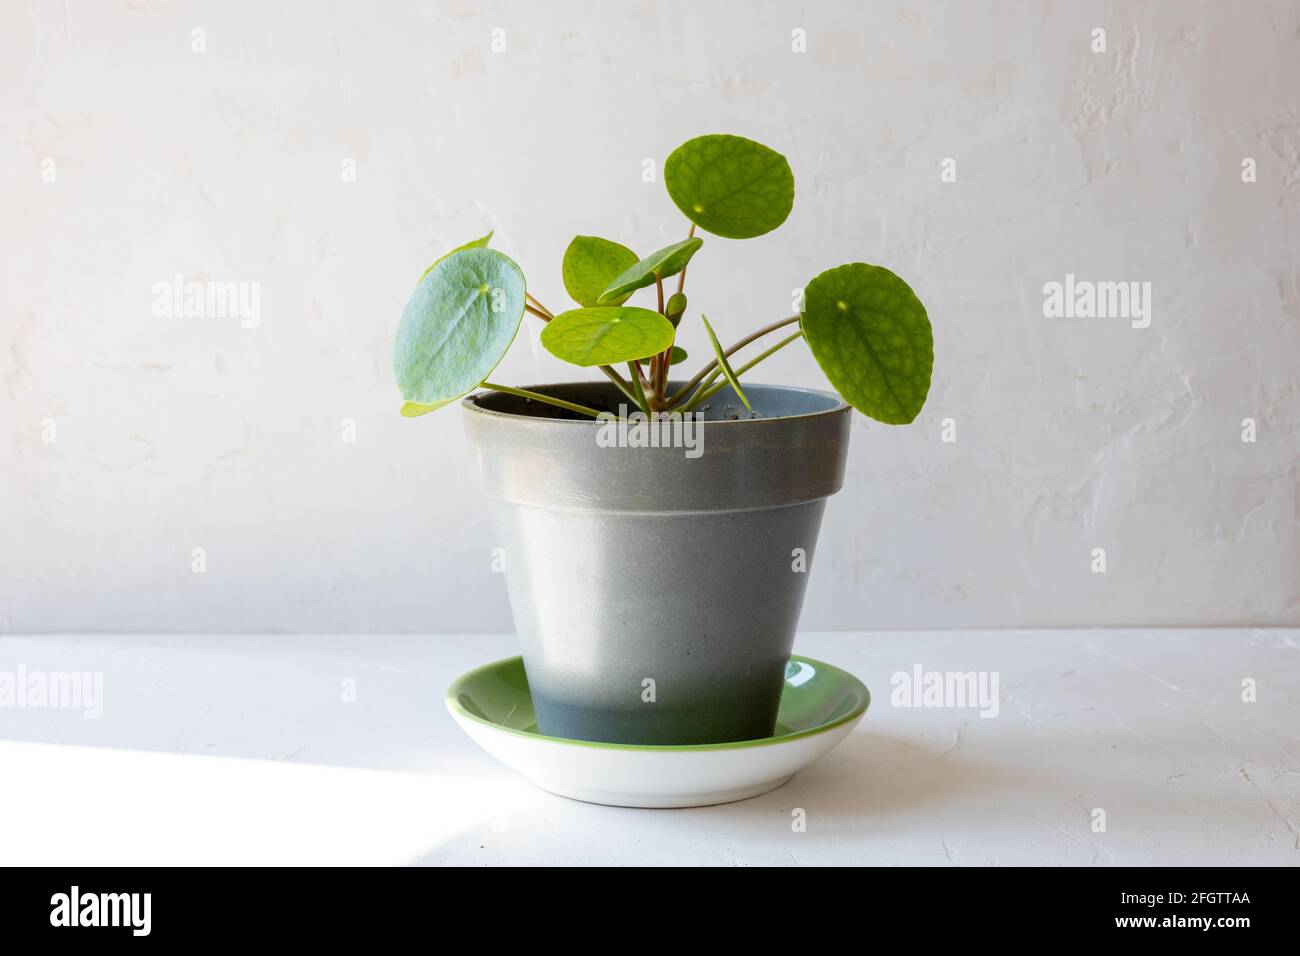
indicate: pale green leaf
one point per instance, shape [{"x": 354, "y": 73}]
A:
[
  {"x": 415, "y": 409},
  {"x": 478, "y": 243},
  {"x": 458, "y": 325}
]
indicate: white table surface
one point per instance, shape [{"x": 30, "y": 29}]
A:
[{"x": 241, "y": 749}]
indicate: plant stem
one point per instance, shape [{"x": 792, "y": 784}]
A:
[
  {"x": 705, "y": 392},
  {"x": 666, "y": 366},
  {"x": 657, "y": 361},
  {"x": 541, "y": 309},
  {"x": 622, "y": 386},
  {"x": 659, "y": 368},
  {"x": 681, "y": 279},
  {"x": 543, "y": 313},
  {"x": 539, "y": 397},
  {"x": 634, "y": 371},
  {"x": 708, "y": 381},
  {"x": 686, "y": 389}
]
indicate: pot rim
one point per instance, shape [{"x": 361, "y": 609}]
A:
[{"x": 469, "y": 403}]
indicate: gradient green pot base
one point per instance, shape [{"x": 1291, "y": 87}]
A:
[{"x": 817, "y": 697}]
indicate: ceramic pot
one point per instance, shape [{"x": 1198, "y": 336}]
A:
[{"x": 656, "y": 590}]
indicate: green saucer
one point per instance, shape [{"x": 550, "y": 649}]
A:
[{"x": 820, "y": 705}]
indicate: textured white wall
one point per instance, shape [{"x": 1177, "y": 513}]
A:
[{"x": 1072, "y": 434}]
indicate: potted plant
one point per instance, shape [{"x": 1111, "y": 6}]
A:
[{"x": 658, "y": 532}]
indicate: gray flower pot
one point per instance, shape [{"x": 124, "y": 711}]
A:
[{"x": 655, "y": 594}]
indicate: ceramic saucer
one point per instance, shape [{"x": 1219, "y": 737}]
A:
[{"x": 819, "y": 706}]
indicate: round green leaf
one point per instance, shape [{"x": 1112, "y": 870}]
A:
[
  {"x": 730, "y": 186},
  {"x": 870, "y": 334},
  {"x": 590, "y": 264},
  {"x": 606, "y": 335},
  {"x": 668, "y": 261},
  {"x": 458, "y": 325},
  {"x": 478, "y": 243}
]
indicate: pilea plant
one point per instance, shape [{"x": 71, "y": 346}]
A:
[{"x": 865, "y": 327}]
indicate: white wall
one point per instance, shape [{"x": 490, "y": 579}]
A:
[{"x": 1072, "y": 434}]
